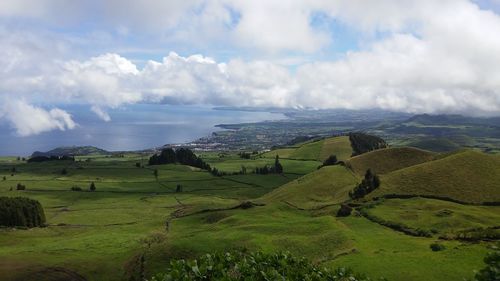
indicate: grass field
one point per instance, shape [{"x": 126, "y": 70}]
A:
[
  {"x": 437, "y": 216},
  {"x": 104, "y": 235},
  {"x": 468, "y": 176},
  {"x": 317, "y": 150},
  {"x": 326, "y": 186},
  {"x": 386, "y": 160}
]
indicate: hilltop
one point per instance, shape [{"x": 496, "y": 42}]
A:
[
  {"x": 386, "y": 160},
  {"x": 72, "y": 150},
  {"x": 316, "y": 149},
  {"x": 468, "y": 176}
]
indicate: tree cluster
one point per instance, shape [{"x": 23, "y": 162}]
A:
[
  {"x": 38, "y": 159},
  {"x": 21, "y": 212},
  {"x": 245, "y": 155},
  {"x": 362, "y": 143},
  {"x": 182, "y": 156},
  {"x": 369, "y": 184},
  {"x": 332, "y": 160},
  {"x": 277, "y": 168}
]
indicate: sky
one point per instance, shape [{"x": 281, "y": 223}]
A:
[{"x": 415, "y": 56}]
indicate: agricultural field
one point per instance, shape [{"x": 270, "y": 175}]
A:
[{"x": 142, "y": 216}]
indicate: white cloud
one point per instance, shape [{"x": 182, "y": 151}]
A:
[
  {"x": 101, "y": 113},
  {"x": 28, "y": 120},
  {"x": 434, "y": 57}
]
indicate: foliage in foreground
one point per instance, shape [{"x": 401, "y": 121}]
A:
[
  {"x": 492, "y": 270},
  {"x": 252, "y": 266}
]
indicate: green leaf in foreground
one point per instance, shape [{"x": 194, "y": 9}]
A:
[{"x": 253, "y": 266}]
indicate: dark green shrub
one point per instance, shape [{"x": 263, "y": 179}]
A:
[
  {"x": 492, "y": 270},
  {"x": 92, "y": 186},
  {"x": 344, "y": 211},
  {"x": 252, "y": 266},
  {"x": 332, "y": 160},
  {"x": 21, "y": 212},
  {"x": 20, "y": 186},
  {"x": 436, "y": 247},
  {"x": 76, "y": 188}
]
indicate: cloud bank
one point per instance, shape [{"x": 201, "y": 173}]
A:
[{"x": 414, "y": 56}]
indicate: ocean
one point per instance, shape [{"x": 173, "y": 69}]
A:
[{"x": 132, "y": 127}]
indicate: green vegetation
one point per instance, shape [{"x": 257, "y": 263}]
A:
[
  {"x": 441, "y": 218},
  {"x": 492, "y": 269},
  {"x": 326, "y": 186},
  {"x": 21, "y": 212},
  {"x": 252, "y": 266},
  {"x": 362, "y": 143},
  {"x": 316, "y": 149},
  {"x": 436, "y": 144},
  {"x": 182, "y": 156},
  {"x": 387, "y": 160},
  {"x": 141, "y": 218},
  {"x": 369, "y": 183},
  {"x": 467, "y": 176}
]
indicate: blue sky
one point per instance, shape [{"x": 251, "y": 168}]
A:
[{"x": 403, "y": 55}]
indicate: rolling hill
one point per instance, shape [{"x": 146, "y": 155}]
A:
[
  {"x": 468, "y": 176},
  {"x": 328, "y": 185},
  {"x": 72, "y": 150},
  {"x": 386, "y": 160},
  {"x": 315, "y": 150}
]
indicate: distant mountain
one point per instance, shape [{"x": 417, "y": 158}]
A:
[
  {"x": 72, "y": 150},
  {"x": 452, "y": 119}
]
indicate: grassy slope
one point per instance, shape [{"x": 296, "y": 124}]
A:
[
  {"x": 328, "y": 185},
  {"x": 338, "y": 146},
  {"x": 308, "y": 151},
  {"x": 441, "y": 216},
  {"x": 315, "y": 150},
  {"x": 467, "y": 176},
  {"x": 97, "y": 233},
  {"x": 383, "y": 161}
]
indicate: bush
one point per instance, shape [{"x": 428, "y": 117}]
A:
[
  {"x": 76, "y": 188},
  {"x": 492, "y": 270},
  {"x": 21, "y": 212},
  {"x": 332, "y": 160},
  {"x": 252, "y": 266},
  {"x": 436, "y": 247},
  {"x": 344, "y": 211},
  {"x": 92, "y": 186},
  {"x": 20, "y": 186}
]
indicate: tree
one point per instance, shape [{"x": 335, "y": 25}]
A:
[
  {"x": 138, "y": 165},
  {"x": 155, "y": 173},
  {"x": 278, "y": 169},
  {"x": 20, "y": 187},
  {"x": 64, "y": 171},
  {"x": 179, "y": 188},
  {"x": 370, "y": 182},
  {"x": 332, "y": 160},
  {"x": 92, "y": 186}
]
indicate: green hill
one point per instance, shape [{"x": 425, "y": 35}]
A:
[
  {"x": 315, "y": 150},
  {"x": 72, "y": 150},
  {"x": 386, "y": 160},
  {"x": 436, "y": 144},
  {"x": 468, "y": 176},
  {"x": 328, "y": 185}
]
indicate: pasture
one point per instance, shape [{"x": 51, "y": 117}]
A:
[{"x": 135, "y": 222}]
